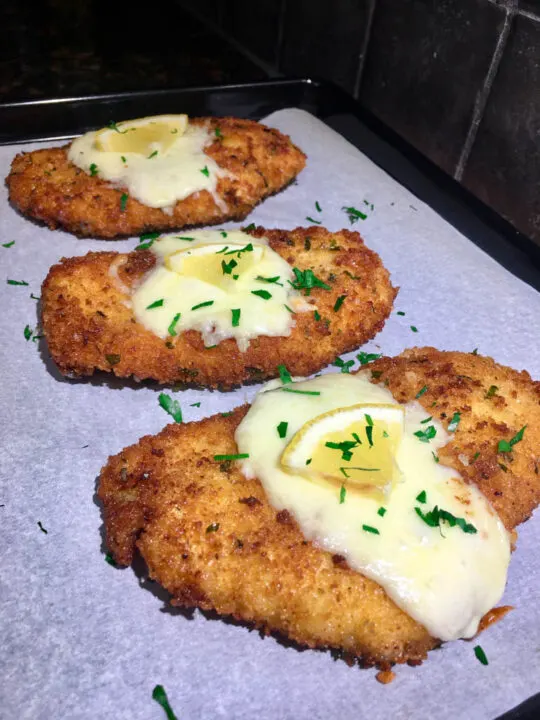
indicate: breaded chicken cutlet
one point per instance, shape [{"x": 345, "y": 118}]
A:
[
  {"x": 261, "y": 161},
  {"x": 211, "y": 538},
  {"x": 89, "y": 324}
]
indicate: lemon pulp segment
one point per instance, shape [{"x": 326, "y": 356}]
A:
[
  {"x": 221, "y": 267},
  {"x": 443, "y": 577},
  {"x": 143, "y": 136},
  {"x": 217, "y": 282},
  {"x": 354, "y": 446}
]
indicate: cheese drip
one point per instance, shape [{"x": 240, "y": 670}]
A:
[
  {"x": 217, "y": 282},
  {"x": 442, "y": 577},
  {"x": 157, "y": 180}
]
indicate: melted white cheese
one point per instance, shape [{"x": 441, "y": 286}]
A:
[
  {"x": 444, "y": 578},
  {"x": 159, "y": 181},
  {"x": 182, "y": 287}
]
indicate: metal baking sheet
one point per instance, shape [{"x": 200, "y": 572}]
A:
[{"x": 83, "y": 640}]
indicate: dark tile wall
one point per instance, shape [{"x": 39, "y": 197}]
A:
[
  {"x": 504, "y": 164},
  {"x": 425, "y": 65},
  {"x": 325, "y": 39},
  {"x": 459, "y": 79}
]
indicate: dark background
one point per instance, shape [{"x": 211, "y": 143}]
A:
[{"x": 458, "y": 79}]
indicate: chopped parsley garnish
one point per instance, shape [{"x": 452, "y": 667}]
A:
[
  {"x": 155, "y": 304},
  {"x": 506, "y": 446},
  {"x": 308, "y": 461},
  {"x": 264, "y": 294},
  {"x": 172, "y": 327},
  {"x": 149, "y": 236},
  {"x": 235, "y": 317},
  {"x": 197, "y": 404},
  {"x": 217, "y": 132},
  {"x": 363, "y": 469},
  {"x": 238, "y": 456},
  {"x": 8, "y": 244},
  {"x": 238, "y": 253},
  {"x": 345, "y": 366},
  {"x": 422, "y": 497},
  {"x": 434, "y": 517},
  {"x": 310, "y": 219},
  {"x": 114, "y": 127},
  {"x": 205, "y": 171},
  {"x": 339, "y": 302},
  {"x": 17, "y": 282},
  {"x": 480, "y": 655},
  {"x": 93, "y": 169},
  {"x": 284, "y": 374},
  {"x": 42, "y": 528},
  {"x": 368, "y": 528},
  {"x": 223, "y": 233},
  {"x": 145, "y": 245},
  {"x": 318, "y": 208},
  {"x": 171, "y": 406},
  {"x": 113, "y": 358},
  {"x": 342, "y": 494},
  {"x": 34, "y": 297},
  {"x": 213, "y": 527},
  {"x": 365, "y": 358},
  {"x": 274, "y": 280},
  {"x": 353, "y": 214},
  {"x": 423, "y": 422},
  {"x": 316, "y": 315},
  {"x": 414, "y": 328},
  {"x": 160, "y": 696},
  {"x": 300, "y": 392},
  {"x": 282, "y": 428},
  {"x": 228, "y": 267},
  {"x": 306, "y": 280},
  {"x": 381, "y": 511},
  {"x": 491, "y": 392},
  {"x": 152, "y": 155},
  {"x": 435, "y": 457},
  {"x": 427, "y": 434},
  {"x": 123, "y": 202},
  {"x": 251, "y": 226},
  {"x": 123, "y": 158},
  {"x": 27, "y": 332},
  {"x": 203, "y": 304},
  {"x": 454, "y": 422},
  {"x": 421, "y": 392},
  {"x": 345, "y": 448},
  {"x": 289, "y": 309},
  {"x": 109, "y": 559},
  {"x": 183, "y": 237},
  {"x": 475, "y": 351},
  {"x": 400, "y": 312},
  {"x": 475, "y": 456}
]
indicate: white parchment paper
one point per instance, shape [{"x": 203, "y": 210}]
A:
[{"x": 81, "y": 639}]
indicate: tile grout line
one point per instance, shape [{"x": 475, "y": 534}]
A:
[
  {"x": 529, "y": 15},
  {"x": 483, "y": 95},
  {"x": 365, "y": 43}
]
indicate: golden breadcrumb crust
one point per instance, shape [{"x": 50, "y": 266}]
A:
[
  {"x": 494, "y": 402},
  {"x": 211, "y": 538},
  {"x": 45, "y": 186},
  {"x": 89, "y": 326}
]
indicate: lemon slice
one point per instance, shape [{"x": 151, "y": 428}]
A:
[
  {"x": 355, "y": 446},
  {"x": 143, "y": 136},
  {"x": 219, "y": 265}
]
